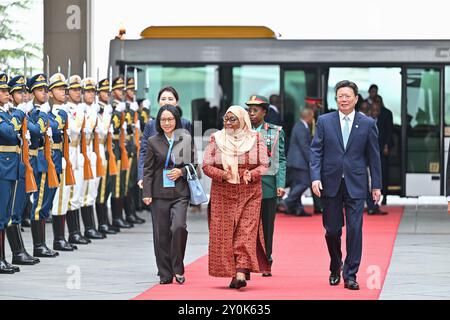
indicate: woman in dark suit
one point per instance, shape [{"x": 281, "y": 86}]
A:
[{"x": 167, "y": 191}]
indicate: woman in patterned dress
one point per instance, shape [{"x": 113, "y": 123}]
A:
[{"x": 235, "y": 159}]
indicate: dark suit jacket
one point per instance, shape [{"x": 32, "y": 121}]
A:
[
  {"x": 299, "y": 153},
  {"x": 385, "y": 125},
  {"x": 329, "y": 159},
  {"x": 273, "y": 117},
  {"x": 183, "y": 153},
  {"x": 150, "y": 131}
]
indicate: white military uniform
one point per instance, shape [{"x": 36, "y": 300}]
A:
[{"x": 104, "y": 122}]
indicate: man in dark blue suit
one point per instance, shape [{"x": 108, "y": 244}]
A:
[
  {"x": 345, "y": 144},
  {"x": 298, "y": 165}
]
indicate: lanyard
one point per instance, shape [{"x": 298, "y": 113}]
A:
[{"x": 169, "y": 152}]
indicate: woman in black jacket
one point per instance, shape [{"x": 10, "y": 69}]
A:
[{"x": 167, "y": 191}]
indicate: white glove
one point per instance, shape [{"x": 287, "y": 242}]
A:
[
  {"x": 55, "y": 111},
  {"x": 81, "y": 107},
  {"x": 45, "y": 107},
  {"x": 108, "y": 109},
  {"x": 146, "y": 104},
  {"x": 68, "y": 132},
  {"x": 95, "y": 108},
  {"x": 22, "y": 107},
  {"x": 120, "y": 107},
  {"x": 28, "y": 136},
  {"x": 124, "y": 126},
  {"x": 111, "y": 129},
  {"x": 87, "y": 132},
  {"x": 49, "y": 132},
  {"x": 65, "y": 108},
  {"x": 137, "y": 125},
  {"x": 29, "y": 106},
  {"x": 134, "y": 106}
]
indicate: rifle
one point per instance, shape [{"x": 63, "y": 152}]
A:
[
  {"x": 137, "y": 141},
  {"x": 30, "y": 181},
  {"x": 100, "y": 170},
  {"x": 124, "y": 153},
  {"x": 111, "y": 156},
  {"x": 88, "y": 175},
  {"x": 53, "y": 181},
  {"x": 70, "y": 177}
]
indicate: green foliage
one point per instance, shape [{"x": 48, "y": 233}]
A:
[{"x": 7, "y": 33}]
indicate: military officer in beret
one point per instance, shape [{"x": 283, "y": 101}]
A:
[
  {"x": 273, "y": 182},
  {"x": 10, "y": 127}
]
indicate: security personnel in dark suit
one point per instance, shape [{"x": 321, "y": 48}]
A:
[
  {"x": 43, "y": 198},
  {"x": 10, "y": 126},
  {"x": 132, "y": 190},
  {"x": 17, "y": 88},
  {"x": 273, "y": 182},
  {"x": 298, "y": 165},
  {"x": 117, "y": 183}
]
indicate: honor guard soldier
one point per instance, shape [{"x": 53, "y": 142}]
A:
[
  {"x": 75, "y": 118},
  {"x": 58, "y": 119},
  {"x": 90, "y": 183},
  {"x": 117, "y": 182},
  {"x": 273, "y": 182},
  {"x": 10, "y": 127},
  {"x": 133, "y": 194},
  {"x": 43, "y": 198},
  {"x": 105, "y": 144},
  {"x": 17, "y": 90}
]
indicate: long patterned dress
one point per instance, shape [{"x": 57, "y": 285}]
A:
[{"x": 236, "y": 241}]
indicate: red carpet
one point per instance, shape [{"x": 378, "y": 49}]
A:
[{"x": 300, "y": 269}]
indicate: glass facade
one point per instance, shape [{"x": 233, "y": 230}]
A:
[
  {"x": 251, "y": 80},
  {"x": 423, "y": 116}
]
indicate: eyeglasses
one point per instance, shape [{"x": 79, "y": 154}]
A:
[
  {"x": 229, "y": 119},
  {"x": 164, "y": 120},
  {"x": 343, "y": 97}
]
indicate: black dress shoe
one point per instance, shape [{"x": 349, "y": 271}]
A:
[
  {"x": 180, "y": 279},
  {"x": 267, "y": 274},
  {"x": 237, "y": 284},
  {"x": 351, "y": 285},
  {"x": 376, "y": 212},
  {"x": 168, "y": 281},
  {"x": 302, "y": 213},
  {"x": 282, "y": 208},
  {"x": 335, "y": 278},
  {"x": 318, "y": 211}
]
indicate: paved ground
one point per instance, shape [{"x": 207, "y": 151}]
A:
[
  {"x": 123, "y": 265},
  {"x": 119, "y": 267},
  {"x": 420, "y": 263}
]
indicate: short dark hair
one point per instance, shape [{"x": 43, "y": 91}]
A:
[
  {"x": 174, "y": 112},
  {"x": 180, "y": 111},
  {"x": 346, "y": 84},
  {"x": 373, "y": 86},
  {"x": 169, "y": 89}
]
